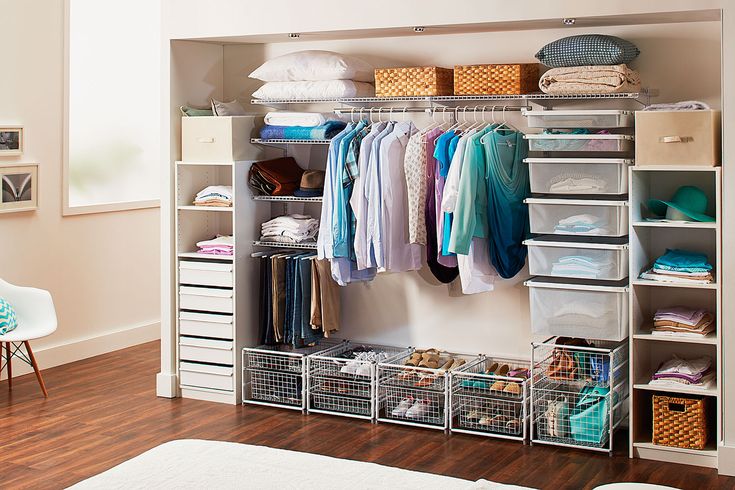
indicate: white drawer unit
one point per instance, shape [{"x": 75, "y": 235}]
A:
[
  {"x": 580, "y": 142},
  {"x": 579, "y": 176},
  {"x": 578, "y": 217},
  {"x": 206, "y": 350},
  {"x": 586, "y": 310},
  {"x": 579, "y": 119},
  {"x": 205, "y": 325},
  {"x": 605, "y": 259},
  {"x": 205, "y": 299},
  {"x": 207, "y": 376},
  {"x": 216, "y": 138},
  {"x": 206, "y": 273}
]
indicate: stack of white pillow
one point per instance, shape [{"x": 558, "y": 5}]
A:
[{"x": 314, "y": 75}]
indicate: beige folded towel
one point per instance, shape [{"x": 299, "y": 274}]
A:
[{"x": 605, "y": 79}]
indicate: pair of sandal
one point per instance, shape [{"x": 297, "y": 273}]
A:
[
  {"x": 496, "y": 422},
  {"x": 427, "y": 359}
]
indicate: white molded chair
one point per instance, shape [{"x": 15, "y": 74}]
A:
[{"x": 36, "y": 318}]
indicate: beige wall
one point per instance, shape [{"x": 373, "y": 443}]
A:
[{"x": 103, "y": 270}]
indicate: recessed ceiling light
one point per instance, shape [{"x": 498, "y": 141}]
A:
[
  {"x": 294, "y": 35},
  {"x": 569, "y": 21},
  {"x": 419, "y": 29}
]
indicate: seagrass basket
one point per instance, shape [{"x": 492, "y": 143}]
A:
[
  {"x": 413, "y": 81},
  {"x": 680, "y": 422},
  {"x": 514, "y": 79}
]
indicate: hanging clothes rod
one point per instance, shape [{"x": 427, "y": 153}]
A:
[{"x": 430, "y": 110}]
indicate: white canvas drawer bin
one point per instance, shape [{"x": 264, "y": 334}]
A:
[
  {"x": 215, "y": 138},
  {"x": 216, "y": 274},
  {"x": 578, "y": 217},
  {"x": 579, "y": 176},
  {"x": 205, "y": 325},
  {"x": 580, "y": 142},
  {"x": 565, "y": 257},
  {"x": 579, "y": 119},
  {"x": 206, "y": 350},
  {"x": 205, "y": 299},
  {"x": 206, "y": 376},
  {"x": 574, "y": 309}
]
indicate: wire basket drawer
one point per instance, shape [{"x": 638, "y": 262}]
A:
[
  {"x": 283, "y": 357},
  {"x": 490, "y": 397},
  {"x": 275, "y": 387},
  {"x": 341, "y": 387},
  {"x": 342, "y": 404}
]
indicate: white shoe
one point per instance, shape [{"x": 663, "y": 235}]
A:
[
  {"x": 350, "y": 368},
  {"x": 363, "y": 370},
  {"x": 405, "y": 405},
  {"x": 419, "y": 409}
]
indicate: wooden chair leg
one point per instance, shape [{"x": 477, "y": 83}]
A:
[
  {"x": 35, "y": 368},
  {"x": 9, "y": 364}
]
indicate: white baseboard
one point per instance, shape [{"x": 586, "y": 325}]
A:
[{"x": 78, "y": 349}]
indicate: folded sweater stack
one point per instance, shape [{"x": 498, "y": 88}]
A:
[
  {"x": 214, "y": 195},
  {"x": 221, "y": 245},
  {"x": 683, "y": 321},
  {"x": 295, "y": 228},
  {"x": 680, "y": 266},
  {"x": 690, "y": 372}
]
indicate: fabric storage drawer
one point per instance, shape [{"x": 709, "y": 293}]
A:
[
  {"x": 216, "y": 138},
  {"x": 578, "y": 217},
  {"x": 206, "y": 273},
  {"x": 580, "y": 142},
  {"x": 554, "y": 119},
  {"x": 206, "y": 350},
  {"x": 206, "y": 376},
  {"x": 205, "y": 325},
  {"x": 578, "y": 175},
  {"x": 564, "y": 257},
  {"x": 205, "y": 299},
  {"x": 678, "y": 138},
  {"x": 577, "y": 309}
]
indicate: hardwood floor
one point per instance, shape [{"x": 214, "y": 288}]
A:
[{"x": 103, "y": 411}]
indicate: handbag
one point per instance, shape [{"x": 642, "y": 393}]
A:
[
  {"x": 590, "y": 417},
  {"x": 563, "y": 366},
  {"x": 556, "y": 415},
  {"x": 278, "y": 177}
]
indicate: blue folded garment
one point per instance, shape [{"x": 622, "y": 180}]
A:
[
  {"x": 679, "y": 260},
  {"x": 324, "y": 132}
]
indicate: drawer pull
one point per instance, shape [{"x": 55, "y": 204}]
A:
[
  {"x": 205, "y": 139},
  {"x": 675, "y": 139}
]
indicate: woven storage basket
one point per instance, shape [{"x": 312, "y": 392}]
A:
[
  {"x": 679, "y": 422},
  {"x": 413, "y": 81},
  {"x": 514, "y": 79}
]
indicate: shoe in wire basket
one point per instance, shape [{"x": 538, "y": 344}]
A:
[
  {"x": 415, "y": 387},
  {"x": 491, "y": 397},
  {"x": 579, "y": 392},
  {"x": 276, "y": 374},
  {"x": 344, "y": 380}
]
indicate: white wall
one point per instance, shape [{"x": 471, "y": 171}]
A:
[{"x": 103, "y": 270}]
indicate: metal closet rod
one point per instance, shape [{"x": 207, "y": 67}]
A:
[{"x": 487, "y": 109}]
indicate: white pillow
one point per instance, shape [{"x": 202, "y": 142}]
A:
[
  {"x": 314, "y": 65},
  {"x": 233, "y": 108},
  {"x": 326, "y": 89}
]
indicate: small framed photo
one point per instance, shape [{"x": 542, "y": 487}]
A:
[
  {"x": 11, "y": 140},
  {"x": 19, "y": 187}
]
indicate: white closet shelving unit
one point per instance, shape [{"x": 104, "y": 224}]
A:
[{"x": 649, "y": 240}]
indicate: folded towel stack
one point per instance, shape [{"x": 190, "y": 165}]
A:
[
  {"x": 680, "y": 266},
  {"x": 573, "y": 80},
  {"x": 214, "y": 195},
  {"x": 691, "y": 372},
  {"x": 318, "y": 132},
  {"x": 221, "y": 245},
  {"x": 588, "y": 266},
  {"x": 683, "y": 321},
  {"x": 295, "y": 228},
  {"x": 582, "y": 224}
]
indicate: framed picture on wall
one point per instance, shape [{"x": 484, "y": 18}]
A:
[
  {"x": 11, "y": 140},
  {"x": 19, "y": 187}
]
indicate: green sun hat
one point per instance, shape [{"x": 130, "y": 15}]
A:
[{"x": 688, "y": 202}]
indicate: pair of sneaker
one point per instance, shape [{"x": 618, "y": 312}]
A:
[{"x": 412, "y": 408}]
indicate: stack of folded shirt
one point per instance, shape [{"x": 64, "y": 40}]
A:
[
  {"x": 690, "y": 372},
  {"x": 221, "y": 245},
  {"x": 295, "y": 228},
  {"x": 680, "y": 266},
  {"x": 589, "y": 266},
  {"x": 582, "y": 224},
  {"x": 214, "y": 195},
  {"x": 579, "y": 183},
  {"x": 683, "y": 321}
]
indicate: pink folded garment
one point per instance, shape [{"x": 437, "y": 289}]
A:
[{"x": 216, "y": 250}]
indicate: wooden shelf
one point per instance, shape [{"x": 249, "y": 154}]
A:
[
  {"x": 205, "y": 164},
  {"x": 219, "y": 209},
  {"x": 710, "y": 339},
  {"x": 197, "y": 255},
  {"x": 706, "y": 457},
  {"x": 683, "y": 389},
  {"x": 688, "y": 224},
  {"x": 674, "y": 168},
  {"x": 646, "y": 282}
]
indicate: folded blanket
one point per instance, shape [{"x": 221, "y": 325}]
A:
[
  {"x": 606, "y": 79},
  {"x": 685, "y": 105},
  {"x": 307, "y": 119},
  {"x": 324, "y": 132}
]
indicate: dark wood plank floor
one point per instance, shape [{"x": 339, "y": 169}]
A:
[{"x": 103, "y": 411}]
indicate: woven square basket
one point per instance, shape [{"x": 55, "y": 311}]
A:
[
  {"x": 413, "y": 81},
  {"x": 680, "y": 422},
  {"x": 514, "y": 79}
]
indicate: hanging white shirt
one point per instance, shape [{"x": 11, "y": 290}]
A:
[
  {"x": 374, "y": 231},
  {"x": 451, "y": 186}
]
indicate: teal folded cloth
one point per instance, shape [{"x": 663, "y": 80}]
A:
[
  {"x": 683, "y": 261},
  {"x": 324, "y": 132}
]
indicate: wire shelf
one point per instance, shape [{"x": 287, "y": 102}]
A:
[
  {"x": 265, "y": 243},
  {"x": 288, "y": 198},
  {"x": 263, "y": 141}
]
